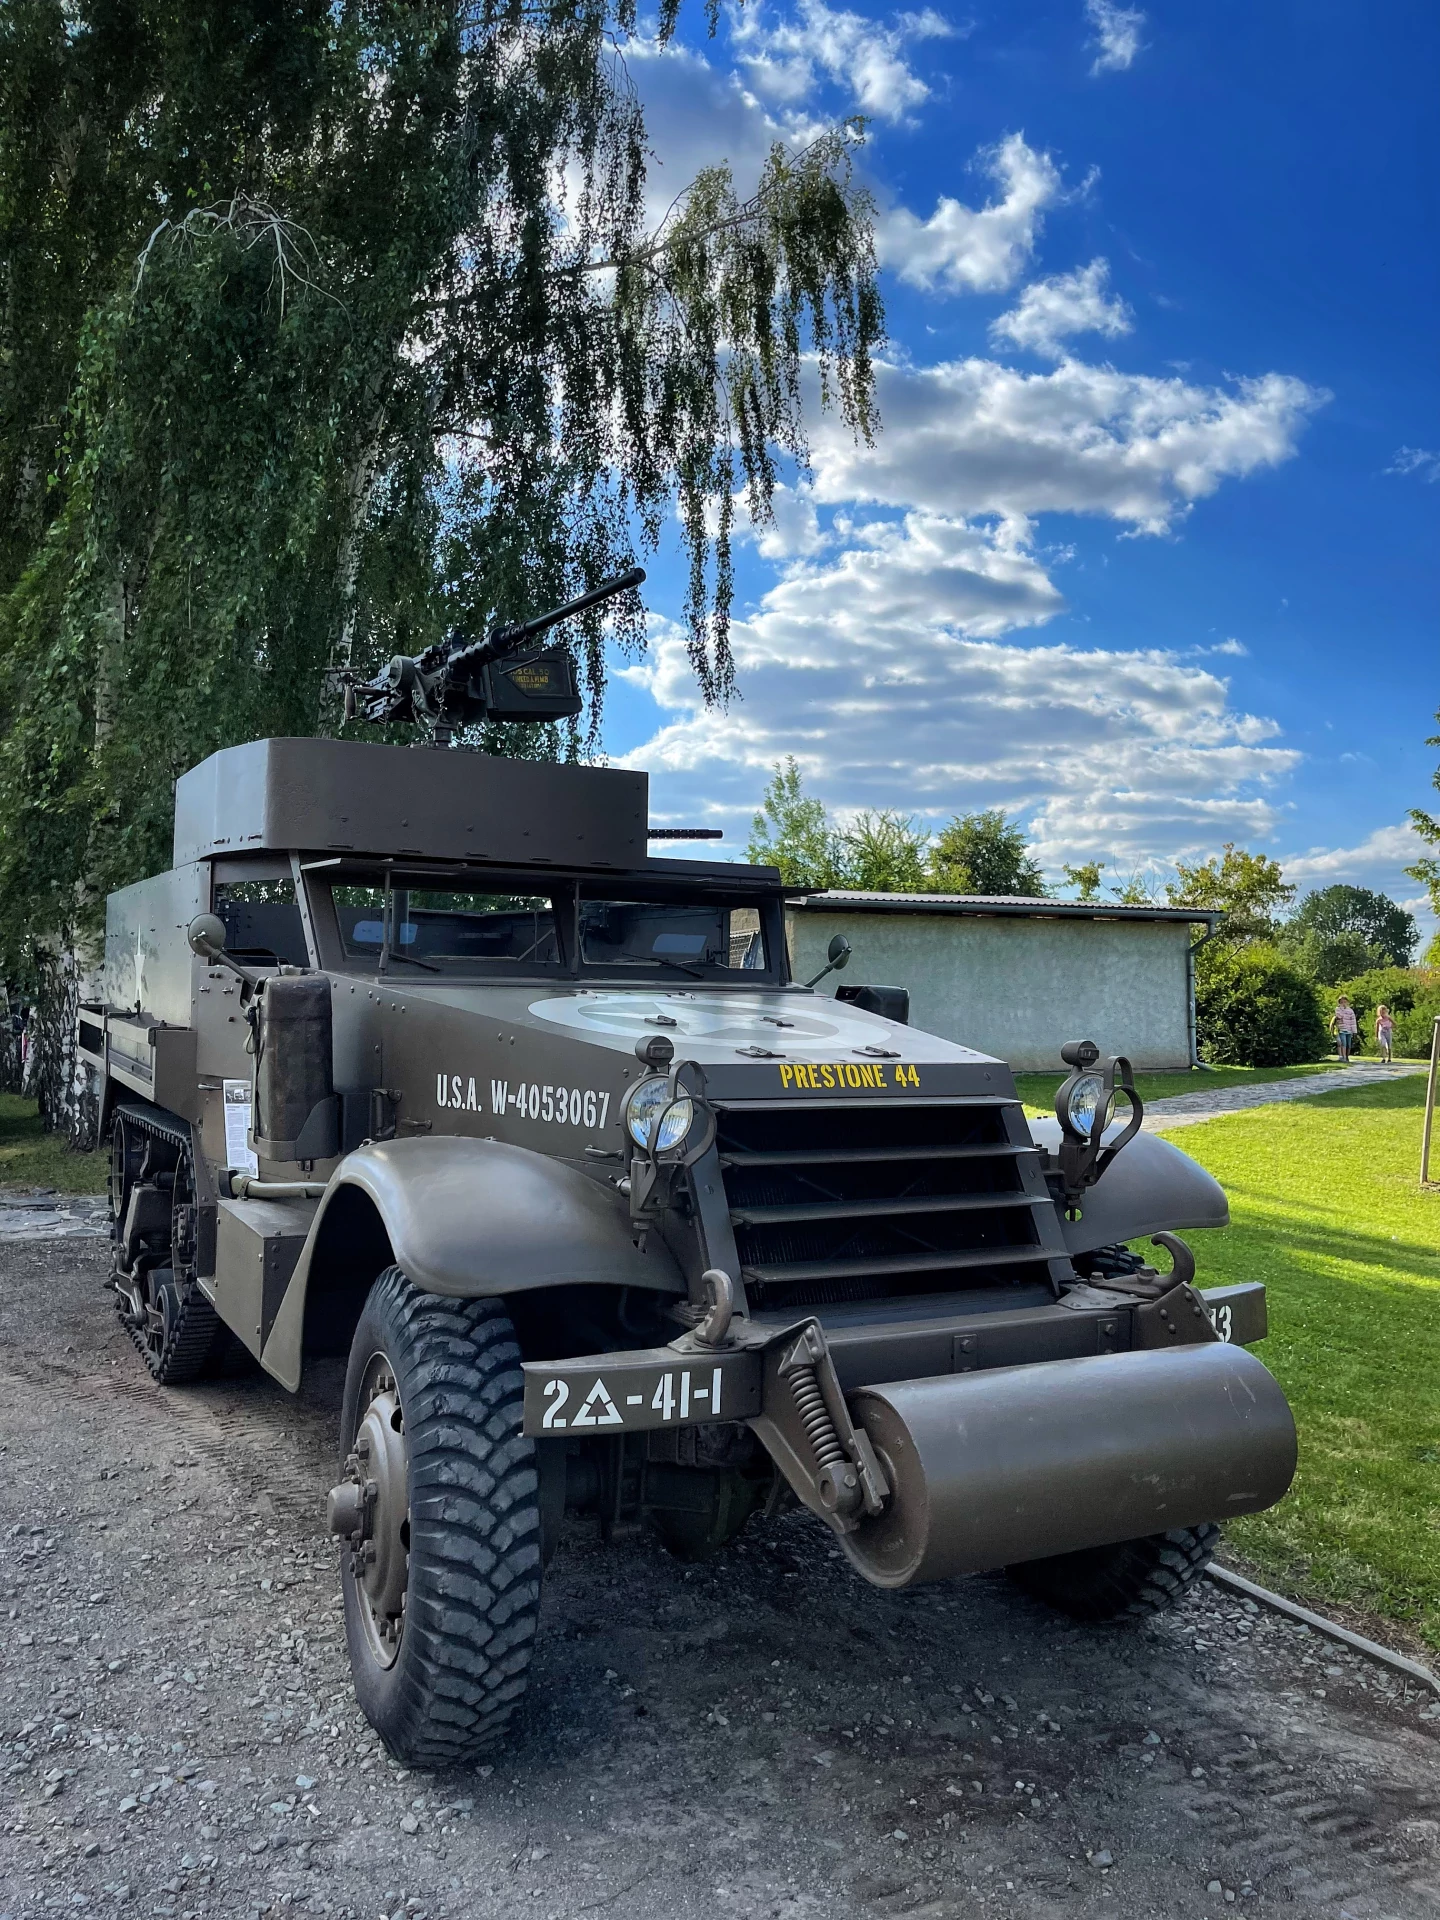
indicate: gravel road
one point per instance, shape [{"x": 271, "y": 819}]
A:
[{"x": 762, "y": 1737}]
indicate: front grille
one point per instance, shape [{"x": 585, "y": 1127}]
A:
[{"x": 850, "y": 1202}]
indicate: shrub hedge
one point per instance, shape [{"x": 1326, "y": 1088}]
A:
[
  {"x": 1254, "y": 1009},
  {"x": 1412, "y": 995}
]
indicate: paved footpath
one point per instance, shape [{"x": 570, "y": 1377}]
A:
[
  {"x": 1189, "y": 1109},
  {"x": 53, "y": 1216}
]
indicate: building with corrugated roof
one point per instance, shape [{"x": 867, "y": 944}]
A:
[{"x": 1015, "y": 976}]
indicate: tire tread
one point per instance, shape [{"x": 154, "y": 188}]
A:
[
  {"x": 474, "y": 1594},
  {"x": 1135, "y": 1579}
]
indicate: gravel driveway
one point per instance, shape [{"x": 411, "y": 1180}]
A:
[{"x": 765, "y": 1736}]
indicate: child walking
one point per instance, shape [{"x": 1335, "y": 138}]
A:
[
  {"x": 1384, "y": 1032},
  {"x": 1343, "y": 1025}
]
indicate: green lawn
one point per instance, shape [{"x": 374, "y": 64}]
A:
[
  {"x": 30, "y": 1157},
  {"x": 1037, "y": 1090},
  {"x": 1327, "y": 1211}
]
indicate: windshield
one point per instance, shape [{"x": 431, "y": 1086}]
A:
[
  {"x": 412, "y": 929},
  {"x": 660, "y": 935},
  {"x": 415, "y": 929}
]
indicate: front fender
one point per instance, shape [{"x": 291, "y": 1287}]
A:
[
  {"x": 465, "y": 1218},
  {"x": 1150, "y": 1187}
]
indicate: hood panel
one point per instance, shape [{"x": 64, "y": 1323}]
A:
[{"x": 713, "y": 1027}]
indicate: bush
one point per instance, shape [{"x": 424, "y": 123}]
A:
[
  {"x": 1254, "y": 1009},
  {"x": 1414, "y": 1031},
  {"x": 1412, "y": 995}
]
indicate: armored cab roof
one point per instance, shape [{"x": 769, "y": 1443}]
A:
[{"x": 348, "y": 796}]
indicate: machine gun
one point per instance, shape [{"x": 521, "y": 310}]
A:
[{"x": 457, "y": 682}]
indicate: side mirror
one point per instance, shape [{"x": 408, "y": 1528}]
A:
[
  {"x": 206, "y": 934},
  {"x": 838, "y": 953}
]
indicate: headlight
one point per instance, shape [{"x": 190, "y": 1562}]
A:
[
  {"x": 1085, "y": 1093},
  {"x": 675, "y": 1124},
  {"x": 650, "y": 1102}
]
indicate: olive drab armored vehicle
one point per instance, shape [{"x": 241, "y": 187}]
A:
[{"x": 423, "y": 1059}]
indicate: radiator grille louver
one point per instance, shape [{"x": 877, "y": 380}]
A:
[{"x": 856, "y": 1201}]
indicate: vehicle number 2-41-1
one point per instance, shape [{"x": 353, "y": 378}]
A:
[
  {"x": 677, "y": 1396},
  {"x": 634, "y": 1392}
]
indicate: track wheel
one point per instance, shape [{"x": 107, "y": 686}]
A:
[
  {"x": 1135, "y": 1577},
  {"x": 182, "y": 1331},
  {"x": 439, "y": 1519}
]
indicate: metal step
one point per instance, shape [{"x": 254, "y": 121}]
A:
[
  {"x": 878, "y": 1267},
  {"x": 899, "y": 1210}
]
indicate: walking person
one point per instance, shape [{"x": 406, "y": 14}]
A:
[
  {"x": 1384, "y": 1032},
  {"x": 1344, "y": 1026}
]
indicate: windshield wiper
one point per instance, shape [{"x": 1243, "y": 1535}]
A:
[{"x": 650, "y": 960}]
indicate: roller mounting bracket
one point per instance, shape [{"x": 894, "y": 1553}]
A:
[{"x": 807, "y": 1428}]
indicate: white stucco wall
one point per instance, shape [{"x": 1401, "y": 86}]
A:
[{"x": 1018, "y": 988}]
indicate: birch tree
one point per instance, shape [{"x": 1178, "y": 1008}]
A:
[{"x": 325, "y": 328}]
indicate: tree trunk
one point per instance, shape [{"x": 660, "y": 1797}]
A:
[
  {"x": 67, "y": 969},
  {"x": 56, "y": 1077},
  {"x": 359, "y": 485},
  {"x": 12, "y": 1017}
]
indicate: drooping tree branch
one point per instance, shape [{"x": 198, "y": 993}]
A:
[{"x": 329, "y": 328}]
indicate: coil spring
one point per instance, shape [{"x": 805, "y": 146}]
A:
[{"x": 815, "y": 1416}]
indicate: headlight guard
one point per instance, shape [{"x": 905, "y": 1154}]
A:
[{"x": 1085, "y": 1108}]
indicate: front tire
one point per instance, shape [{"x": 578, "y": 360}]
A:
[
  {"x": 1135, "y": 1578},
  {"x": 442, "y": 1592}
]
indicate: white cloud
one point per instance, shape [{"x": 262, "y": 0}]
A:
[
  {"x": 1236, "y": 648},
  {"x": 883, "y": 671},
  {"x": 1378, "y": 862},
  {"x": 1387, "y": 847},
  {"x": 973, "y": 437},
  {"x": 885, "y": 656},
  {"x": 795, "y": 530},
  {"x": 1116, "y": 35},
  {"x": 1067, "y": 303},
  {"x": 1419, "y": 461},
  {"x": 694, "y": 116},
  {"x": 787, "y": 60},
  {"x": 965, "y": 250}
]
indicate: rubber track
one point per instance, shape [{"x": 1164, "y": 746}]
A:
[
  {"x": 189, "y": 1347},
  {"x": 474, "y": 1594},
  {"x": 199, "y": 1330},
  {"x": 1135, "y": 1579}
]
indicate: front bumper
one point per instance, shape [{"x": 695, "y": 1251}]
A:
[
  {"x": 961, "y": 1442},
  {"x": 686, "y": 1385}
]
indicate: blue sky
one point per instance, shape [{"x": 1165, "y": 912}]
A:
[{"x": 1144, "y": 550}]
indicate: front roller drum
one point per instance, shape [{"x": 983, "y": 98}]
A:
[{"x": 1022, "y": 1463}]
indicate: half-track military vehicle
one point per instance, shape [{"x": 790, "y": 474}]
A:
[{"x": 423, "y": 1059}]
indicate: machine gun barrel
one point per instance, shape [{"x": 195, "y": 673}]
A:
[
  {"x": 448, "y": 686},
  {"x": 506, "y": 640}
]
